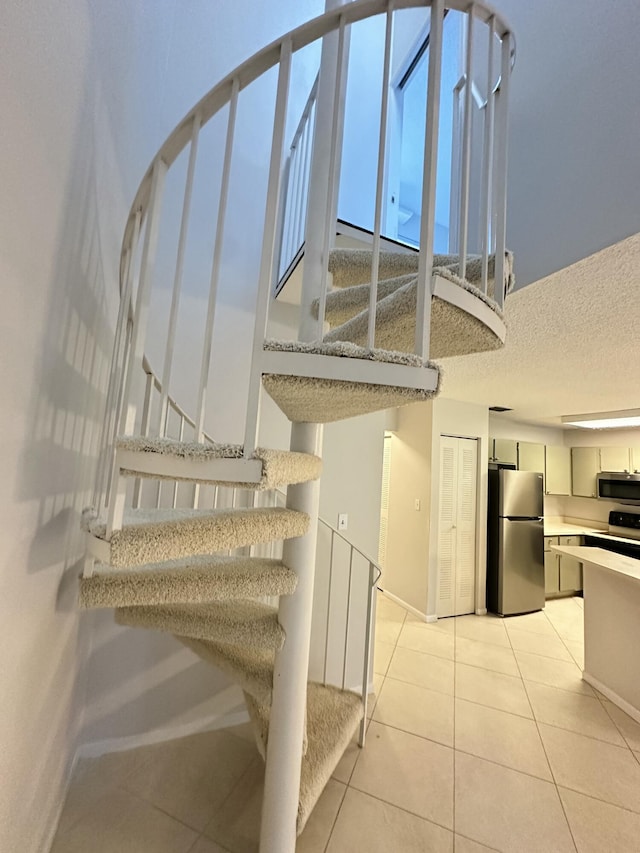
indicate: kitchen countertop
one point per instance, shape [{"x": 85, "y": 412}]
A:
[
  {"x": 607, "y": 560},
  {"x": 567, "y": 528}
]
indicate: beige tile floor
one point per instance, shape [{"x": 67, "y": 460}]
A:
[{"x": 482, "y": 737}]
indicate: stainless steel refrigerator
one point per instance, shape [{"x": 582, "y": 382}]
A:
[{"x": 515, "y": 542}]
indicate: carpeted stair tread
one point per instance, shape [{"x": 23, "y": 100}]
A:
[
  {"x": 343, "y": 304},
  {"x": 345, "y": 349},
  {"x": 247, "y": 623},
  {"x": 198, "y": 579},
  {"x": 453, "y": 330},
  {"x": 332, "y": 718},
  {"x": 279, "y": 467},
  {"x": 250, "y": 668},
  {"x": 351, "y": 267},
  {"x": 155, "y": 535},
  {"x": 311, "y": 400}
]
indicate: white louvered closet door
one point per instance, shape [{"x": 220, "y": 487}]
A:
[{"x": 457, "y": 526}]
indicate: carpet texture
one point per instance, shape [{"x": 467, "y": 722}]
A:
[
  {"x": 311, "y": 400},
  {"x": 332, "y": 718},
  {"x": 152, "y": 536},
  {"x": 351, "y": 267},
  {"x": 324, "y": 401},
  {"x": 246, "y": 623},
  {"x": 453, "y": 331},
  {"x": 345, "y": 349},
  {"x": 251, "y": 669},
  {"x": 195, "y": 580},
  {"x": 279, "y": 467}
]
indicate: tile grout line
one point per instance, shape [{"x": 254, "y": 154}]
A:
[
  {"x": 401, "y": 808},
  {"x": 544, "y": 749},
  {"x": 335, "y": 820}
]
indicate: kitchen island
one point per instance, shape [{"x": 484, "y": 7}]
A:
[{"x": 611, "y": 624}]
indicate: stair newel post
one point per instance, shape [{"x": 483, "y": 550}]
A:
[
  {"x": 502, "y": 128},
  {"x": 428, "y": 207},
  {"x": 269, "y": 249}
]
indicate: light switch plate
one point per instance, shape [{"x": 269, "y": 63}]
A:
[
  {"x": 417, "y": 504},
  {"x": 343, "y": 521}
]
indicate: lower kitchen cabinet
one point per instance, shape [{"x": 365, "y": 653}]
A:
[{"x": 562, "y": 574}]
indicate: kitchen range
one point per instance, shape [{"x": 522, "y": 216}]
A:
[{"x": 623, "y": 536}]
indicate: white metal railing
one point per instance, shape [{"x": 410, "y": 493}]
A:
[
  {"x": 140, "y": 246},
  {"x": 342, "y": 623},
  {"x": 295, "y": 189},
  {"x": 370, "y": 572}
]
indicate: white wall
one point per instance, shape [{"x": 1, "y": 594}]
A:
[
  {"x": 351, "y": 483},
  {"x": 89, "y": 90},
  {"x": 505, "y": 427},
  {"x": 407, "y": 559},
  {"x": 573, "y": 153}
]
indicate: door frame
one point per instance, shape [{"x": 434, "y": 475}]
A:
[{"x": 481, "y": 515}]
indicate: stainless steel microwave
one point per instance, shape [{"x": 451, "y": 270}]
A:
[{"x": 620, "y": 488}]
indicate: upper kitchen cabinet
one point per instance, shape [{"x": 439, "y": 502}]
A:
[
  {"x": 615, "y": 459},
  {"x": 503, "y": 450},
  {"x": 557, "y": 470},
  {"x": 585, "y": 466},
  {"x": 531, "y": 457},
  {"x": 635, "y": 460}
]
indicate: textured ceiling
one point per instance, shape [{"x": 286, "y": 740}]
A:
[{"x": 573, "y": 343}]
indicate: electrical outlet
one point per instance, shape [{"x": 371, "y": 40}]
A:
[
  {"x": 343, "y": 521},
  {"x": 417, "y": 504}
]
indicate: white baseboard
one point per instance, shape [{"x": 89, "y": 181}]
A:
[
  {"x": 417, "y": 613},
  {"x": 610, "y": 694},
  {"x": 206, "y": 724}
]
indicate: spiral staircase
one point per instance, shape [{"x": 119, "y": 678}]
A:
[{"x": 372, "y": 326}]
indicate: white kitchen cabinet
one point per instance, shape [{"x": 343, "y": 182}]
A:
[
  {"x": 557, "y": 470},
  {"x": 635, "y": 460},
  {"x": 530, "y": 457},
  {"x": 585, "y": 466},
  {"x": 504, "y": 450},
  {"x": 561, "y": 573},
  {"x": 570, "y": 569},
  {"x": 551, "y": 573},
  {"x": 615, "y": 459}
]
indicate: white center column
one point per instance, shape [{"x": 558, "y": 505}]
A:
[{"x": 288, "y": 708}]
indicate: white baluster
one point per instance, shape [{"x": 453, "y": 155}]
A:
[
  {"x": 466, "y": 148},
  {"x": 268, "y": 250},
  {"x": 501, "y": 168},
  {"x": 380, "y": 188},
  {"x": 177, "y": 280},
  {"x": 428, "y": 207},
  {"x": 487, "y": 161},
  {"x": 215, "y": 266}
]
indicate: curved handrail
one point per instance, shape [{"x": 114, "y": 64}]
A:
[
  {"x": 267, "y": 58},
  {"x": 149, "y": 194}
]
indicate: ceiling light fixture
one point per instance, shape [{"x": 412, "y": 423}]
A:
[{"x": 604, "y": 420}]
